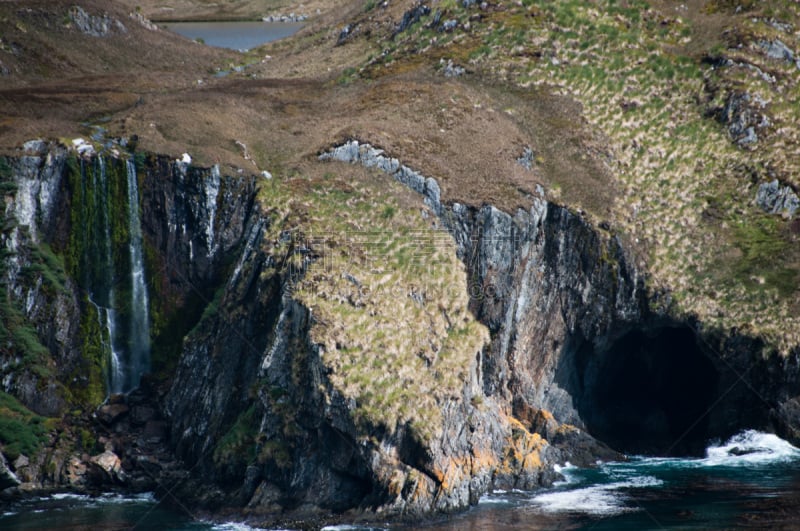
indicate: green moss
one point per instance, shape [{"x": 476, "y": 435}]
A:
[
  {"x": 20, "y": 338},
  {"x": 88, "y": 441},
  {"x": 238, "y": 445},
  {"x": 87, "y": 383},
  {"x": 5, "y": 169},
  {"x": 765, "y": 253},
  {"x": 277, "y": 452},
  {"x": 48, "y": 265},
  {"x": 21, "y": 431}
]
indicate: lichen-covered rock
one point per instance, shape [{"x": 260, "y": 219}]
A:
[
  {"x": 776, "y": 199},
  {"x": 777, "y": 49},
  {"x": 744, "y": 117},
  {"x": 94, "y": 25}
]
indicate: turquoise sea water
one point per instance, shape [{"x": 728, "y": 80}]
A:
[{"x": 751, "y": 481}]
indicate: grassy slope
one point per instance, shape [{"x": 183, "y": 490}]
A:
[
  {"x": 644, "y": 75},
  {"x": 387, "y": 292}
]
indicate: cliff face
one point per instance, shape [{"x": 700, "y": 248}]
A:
[
  {"x": 576, "y": 335},
  {"x": 560, "y": 340},
  {"x": 258, "y": 413},
  {"x": 41, "y": 328},
  {"x": 66, "y": 248}
]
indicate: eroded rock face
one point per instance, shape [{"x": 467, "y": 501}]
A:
[
  {"x": 251, "y": 380},
  {"x": 193, "y": 218},
  {"x": 52, "y": 311},
  {"x": 7, "y": 477}
]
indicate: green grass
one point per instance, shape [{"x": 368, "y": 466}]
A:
[
  {"x": 637, "y": 71},
  {"x": 764, "y": 255},
  {"x": 379, "y": 267},
  {"x": 238, "y": 445},
  {"x": 48, "y": 265},
  {"x": 21, "y": 431}
]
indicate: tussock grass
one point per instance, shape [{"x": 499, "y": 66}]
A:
[
  {"x": 684, "y": 198},
  {"x": 386, "y": 291}
]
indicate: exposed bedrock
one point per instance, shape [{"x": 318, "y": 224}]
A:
[{"x": 575, "y": 334}]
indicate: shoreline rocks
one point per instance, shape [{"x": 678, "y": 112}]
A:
[{"x": 290, "y": 18}]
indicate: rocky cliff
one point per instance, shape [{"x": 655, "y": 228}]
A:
[
  {"x": 57, "y": 331},
  {"x": 304, "y": 368}
]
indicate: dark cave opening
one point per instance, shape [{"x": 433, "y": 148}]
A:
[{"x": 651, "y": 394}]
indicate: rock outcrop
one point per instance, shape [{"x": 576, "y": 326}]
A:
[{"x": 776, "y": 199}]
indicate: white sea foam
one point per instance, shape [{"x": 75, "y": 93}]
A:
[
  {"x": 568, "y": 473},
  {"x": 69, "y": 496},
  {"x": 234, "y": 526},
  {"x": 145, "y": 497},
  {"x": 496, "y": 498},
  {"x": 348, "y": 527},
  {"x": 597, "y": 500},
  {"x": 750, "y": 448}
]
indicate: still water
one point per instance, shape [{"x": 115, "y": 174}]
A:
[
  {"x": 235, "y": 35},
  {"x": 750, "y": 481}
]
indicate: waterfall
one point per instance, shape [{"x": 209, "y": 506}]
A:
[
  {"x": 124, "y": 319},
  {"x": 139, "y": 355}
]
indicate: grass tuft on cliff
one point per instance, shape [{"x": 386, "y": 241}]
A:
[
  {"x": 387, "y": 294},
  {"x": 21, "y": 431}
]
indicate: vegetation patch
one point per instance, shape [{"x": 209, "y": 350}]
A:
[
  {"x": 238, "y": 445},
  {"x": 21, "y": 431},
  {"x": 376, "y": 270}
]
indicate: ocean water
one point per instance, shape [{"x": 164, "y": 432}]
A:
[
  {"x": 750, "y": 481},
  {"x": 234, "y": 35}
]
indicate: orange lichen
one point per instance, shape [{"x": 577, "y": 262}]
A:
[{"x": 523, "y": 450}]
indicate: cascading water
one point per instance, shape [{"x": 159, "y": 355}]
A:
[
  {"x": 124, "y": 321},
  {"x": 139, "y": 354}
]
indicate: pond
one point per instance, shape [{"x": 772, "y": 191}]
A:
[{"x": 240, "y": 36}]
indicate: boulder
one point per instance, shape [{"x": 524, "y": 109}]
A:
[
  {"x": 75, "y": 472},
  {"x": 773, "y": 198},
  {"x": 111, "y": 413},
  {"x": 7, "y": 477},
  {"x": 106, "y": 468}
]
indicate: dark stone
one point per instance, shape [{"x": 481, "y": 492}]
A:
[
  {"x": 112, "y": 412},
  {"x": 411, "y": 17},
  {"x": 142, "y": 414},
  {"x": 155, "y": 431},
  {"x": 345, "y": 34},
  {"x": 7, "y": 477}
]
